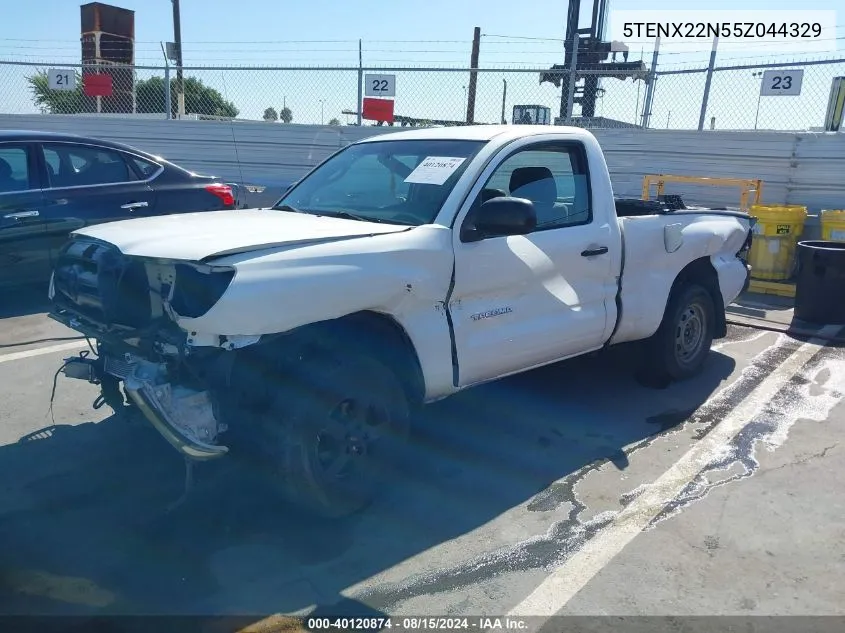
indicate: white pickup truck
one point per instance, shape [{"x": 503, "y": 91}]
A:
[{"x": 403, "y": 269}]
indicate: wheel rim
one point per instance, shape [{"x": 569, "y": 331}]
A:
[
  {"x": 690, "y": 333},
  {"x": 346, "y": 446}
]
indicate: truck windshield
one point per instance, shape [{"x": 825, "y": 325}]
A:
[{"x": 396, "y": 182}]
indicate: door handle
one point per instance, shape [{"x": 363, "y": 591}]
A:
[
  {"x": 19, "y": 215},
  {"x": 592, "y": 252},
  {"x": 134, "y": 205}
]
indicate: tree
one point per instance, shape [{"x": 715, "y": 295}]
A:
[
  {"x": 270, "y": 114},
  {"x": 59, "y": 101},
  {"x": 199, "y": 98},
  {"x": 286, "y": 115},
  {"x": 334, "y": 122}
]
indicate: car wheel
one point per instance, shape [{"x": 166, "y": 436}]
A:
[
  {"x": 678, "y": 349},
  {"x": 344, "y": 428}
]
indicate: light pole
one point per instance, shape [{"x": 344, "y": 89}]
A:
[{"x": 759, "y": 96}]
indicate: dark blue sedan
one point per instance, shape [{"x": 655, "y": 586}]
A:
[{"x": 52, "y": 184}]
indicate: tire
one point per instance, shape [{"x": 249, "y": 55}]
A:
[
  {"x": 325, "y": 425},
  {"x": 680, "y": 346}
]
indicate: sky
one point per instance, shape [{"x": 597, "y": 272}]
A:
[{"x": 405, "y": 34}]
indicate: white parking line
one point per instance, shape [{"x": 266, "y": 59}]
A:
[
  {"x": 568, "y": 579},
  {"x": 40, "y": 351}
]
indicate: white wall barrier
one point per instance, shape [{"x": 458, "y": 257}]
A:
[{"x": 797, "y": 167}]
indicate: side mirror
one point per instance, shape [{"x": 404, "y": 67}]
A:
[{"x": 499, "y": 217}]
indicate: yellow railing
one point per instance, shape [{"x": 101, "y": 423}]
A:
[{"x": 748, "y": 186}]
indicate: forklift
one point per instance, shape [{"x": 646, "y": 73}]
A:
[
  {"x": 593, "y": 52},
  {"x": 531, "y": 115}
]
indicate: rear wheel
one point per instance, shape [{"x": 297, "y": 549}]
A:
[
  {"x": 337, "y": 437},
  {"x": 682, "y": 342}
]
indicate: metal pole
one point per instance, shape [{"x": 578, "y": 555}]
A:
[
  {"x": 652, "y": 81},
  {"x": 504, "y": 99},
  {"x": 177, "y": 41},
  {"x": 759, "y": 97},
  {"x": 473, "y": 76},
  {"x": 360, "y": 81},
  {"x": 573, "y": 76},
  {"x": 637, "y": 106},
  {"x": 134, "y": 77},
  {"x": 707, "y": 83},
  {"x": 167, "y": 104},
  {"x": 99, "y": 99}
]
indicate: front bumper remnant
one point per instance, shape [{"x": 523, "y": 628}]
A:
[
  {"x": 144, "y": 395},
  {"x": 184, "y": 417}
]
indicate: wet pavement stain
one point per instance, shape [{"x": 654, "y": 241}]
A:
[
  {"x": 562, "y": 540},
  {"x": 706, "y": 418},
  {"x": 567, "y": 536},
  {"x": 770, "y": 427}
]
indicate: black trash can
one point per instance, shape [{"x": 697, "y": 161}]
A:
[{"x": 820, "y": 282}]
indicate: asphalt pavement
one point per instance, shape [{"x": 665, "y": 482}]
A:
[{"x": 570, "y": 490}]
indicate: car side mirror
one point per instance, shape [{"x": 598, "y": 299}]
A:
[{"x": 500, "y": 217}]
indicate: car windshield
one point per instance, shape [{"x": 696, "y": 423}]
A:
[{"x": 396, "y": 182}]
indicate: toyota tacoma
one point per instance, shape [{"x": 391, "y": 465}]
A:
[{"x": 403, "y": 269}]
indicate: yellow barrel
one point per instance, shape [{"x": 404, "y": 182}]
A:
[
  {"x": 833, "y": 225},
  {"x": 776, "y": 236}
]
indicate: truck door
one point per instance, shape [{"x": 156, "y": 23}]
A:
[{"x": 528, "y": 300}]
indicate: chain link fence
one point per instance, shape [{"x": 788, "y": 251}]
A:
[
  {"x": 735, "y": 101},
  {"x": 425, "y": 96}
]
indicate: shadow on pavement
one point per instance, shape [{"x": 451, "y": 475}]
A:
[{"x": 83, "y": 528}]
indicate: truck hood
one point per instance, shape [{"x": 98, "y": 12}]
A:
[{"x": 205, "y": 235}]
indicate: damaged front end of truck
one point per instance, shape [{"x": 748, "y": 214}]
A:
[
  {"x": 143, "y": 360},
  {"x": 300, "y": 404}
]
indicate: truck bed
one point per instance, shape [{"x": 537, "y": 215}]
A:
[{"x": 657, "y": 246}]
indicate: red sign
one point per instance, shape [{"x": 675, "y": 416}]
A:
[
  {"x": 99, "y": 85},
  {"x": 378, "y": 109}
]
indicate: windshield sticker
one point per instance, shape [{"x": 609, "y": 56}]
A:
[{"x": 434, "y": 170}]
